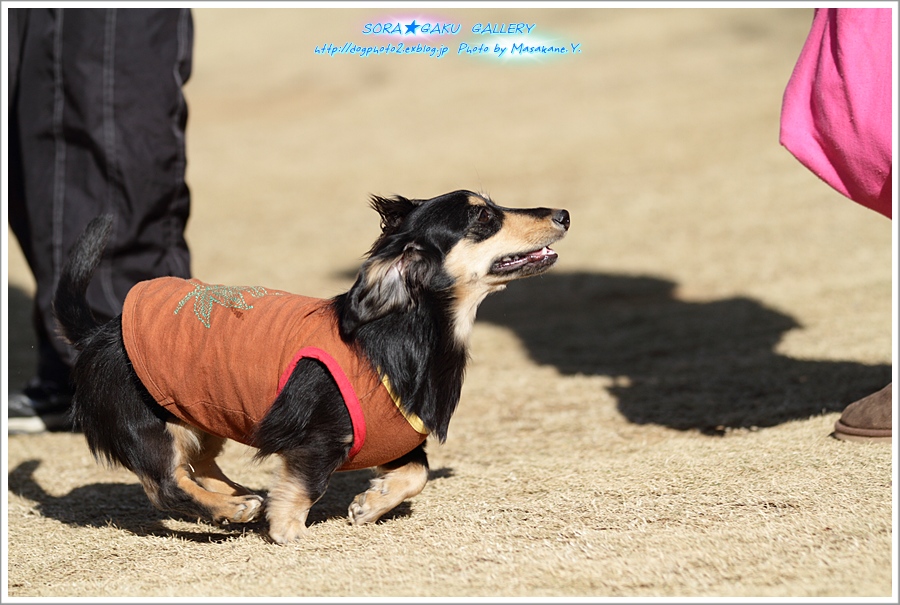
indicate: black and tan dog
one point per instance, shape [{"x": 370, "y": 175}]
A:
[{"x": 356, "y": 381}]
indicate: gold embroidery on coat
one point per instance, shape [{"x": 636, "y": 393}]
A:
[{"x": 230, "y": 297}]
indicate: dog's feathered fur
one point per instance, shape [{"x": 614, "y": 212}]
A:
[{"x": 410, "y": 311}]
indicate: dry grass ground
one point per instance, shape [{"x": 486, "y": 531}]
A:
[{"x": 650, "y": 419}]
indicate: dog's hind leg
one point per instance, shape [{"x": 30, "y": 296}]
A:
[
  {"x": 122, "y": 424},
  {"x": 195, "y": 473},
  {"x": 205, "y": 470},
  {"x": 395, "y": 482}
]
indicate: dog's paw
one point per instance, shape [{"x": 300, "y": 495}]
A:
[
  {"x": 244, "y": 509},
  {"x": 361, "y": 514},
  {"x": 287, "y": 532}
]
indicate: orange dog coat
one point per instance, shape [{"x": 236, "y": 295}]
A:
[{"x": 217, "y": 357}]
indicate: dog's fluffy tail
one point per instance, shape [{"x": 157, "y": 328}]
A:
[{"x": 70, "y": 305}]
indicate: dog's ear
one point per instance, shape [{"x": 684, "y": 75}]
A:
[
  {"x": 388, "y": 283},
  {"x": 392, "y": 211}
]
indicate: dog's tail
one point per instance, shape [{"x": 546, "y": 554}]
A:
[{"x": 70, "y": 305}]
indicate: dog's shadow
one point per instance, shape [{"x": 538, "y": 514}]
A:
[
  {"x": 122, "y": 505},
  {"x": 126, "y": 507},
  {"x": 708, "y": 366}
]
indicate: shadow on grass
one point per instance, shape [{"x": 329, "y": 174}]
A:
[
  {"x": 120, "y": 505},
  {"x": 707, "y": 366},
  {"x": 344, "y": 487},
  {"x": 126, "y": 507}
]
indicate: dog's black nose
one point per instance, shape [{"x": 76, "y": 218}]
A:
[{"x": 561, "y": 218}]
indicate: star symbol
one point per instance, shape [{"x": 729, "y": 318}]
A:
[{"x": 412, "y": 27}]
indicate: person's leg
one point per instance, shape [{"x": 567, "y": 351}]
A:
[
  {"x": 99, "y": 120},
  {"x": 31, "y": 50},
  {"x": 836, "y": 119}
]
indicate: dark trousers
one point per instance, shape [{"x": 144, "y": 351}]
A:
[{"x": 97, "y": 125}]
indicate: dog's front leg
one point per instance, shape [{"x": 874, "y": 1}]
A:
[
  {"x": 309, "y": 428},
  {"x": 287, "y": 508},
  {"x": 304, "y": 478},
  {"x": 395, "y": 482}
]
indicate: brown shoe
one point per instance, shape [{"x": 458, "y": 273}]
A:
[{"x": 868, "y": 419}]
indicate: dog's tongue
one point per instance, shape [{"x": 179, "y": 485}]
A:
[{"x": 539, "y": 255}]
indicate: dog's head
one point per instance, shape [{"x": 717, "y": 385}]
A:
[{"x": 460, "y": 246}]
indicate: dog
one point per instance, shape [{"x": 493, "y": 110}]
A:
[{"x": 356, "y": 381}]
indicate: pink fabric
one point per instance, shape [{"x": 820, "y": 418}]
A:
[
  {"x": 344, "y": 385},
  {"x": 836, "y": 117}
]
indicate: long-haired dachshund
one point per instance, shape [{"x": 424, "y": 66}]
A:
[{"x": 356, "y": 381}]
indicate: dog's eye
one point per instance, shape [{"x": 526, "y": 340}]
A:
[{"x": 484, "y": 216}]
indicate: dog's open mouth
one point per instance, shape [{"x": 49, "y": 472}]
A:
[{"x": 530, "y": 262}]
